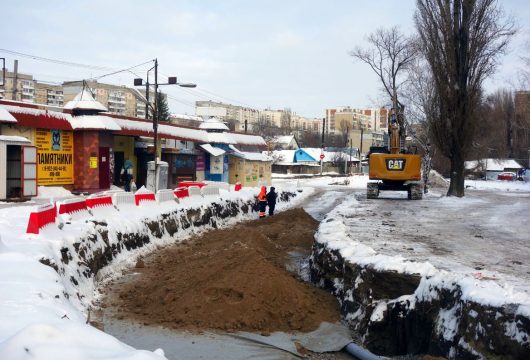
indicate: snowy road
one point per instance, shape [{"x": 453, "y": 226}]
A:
[{"x": 486, "y": 232}]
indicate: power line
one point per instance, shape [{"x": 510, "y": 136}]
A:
[{"x": 56, "y": 61}]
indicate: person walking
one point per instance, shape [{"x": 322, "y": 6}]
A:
[
  {"x": 126, "y": 174},
  {"x": 271, "y": 200},
  {"x": 262, "y": 201}
]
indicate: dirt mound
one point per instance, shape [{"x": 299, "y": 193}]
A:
[{"x": 233, "y": 279}]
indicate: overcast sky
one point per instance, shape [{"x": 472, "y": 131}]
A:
[{"x": 277, "y": 54}]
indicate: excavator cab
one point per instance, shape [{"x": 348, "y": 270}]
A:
[{"x": 390, "y": 168}]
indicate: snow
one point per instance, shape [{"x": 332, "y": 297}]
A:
[
  {"x": 213, "y": 124},
  {"x": 84, "y": 100},
  {"x": 52, "y": 192},
  {"x": 493, "y": 164},
  {"x": 214, "y": 151},
  {"x": 19, "y": 139},
  {"x": 43, "y": 314},
  {"x": 500, "y": 185},
  {"x": 5, "y": 116},
  {"x": 94, "y": 122}
]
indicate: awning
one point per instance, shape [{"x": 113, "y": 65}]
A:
[
  {"x": 5, "y": 116},
  {"x": 14, "y": 140},
  {"x": 212, "y": 150}
]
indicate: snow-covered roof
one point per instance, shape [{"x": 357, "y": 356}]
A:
[
  {"x": 14, "y": 139},
  {"x": 493, "y": 164},
  {"x": 287, "y": 156},
  {"x": 131, "y": 126},
  {"x": 84, "y": 101},
  {"x": 93, "y": 122},
  {"x": 284, "y": 139},
  {"x": 252, "y": 156},
  {"x": 212, "y": 150},
  {"x": 5, "y": 116},
  {"x": 186, "y": 117},
  {"x": 213, "y": 124}
]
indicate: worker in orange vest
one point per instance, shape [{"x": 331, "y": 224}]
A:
[{"x": 262, "y": 201}]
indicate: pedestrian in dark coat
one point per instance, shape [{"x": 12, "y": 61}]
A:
[
  {"x": 271, "y": 200},
  {"x": 262, "y": 201}
]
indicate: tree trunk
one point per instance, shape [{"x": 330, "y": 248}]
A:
[{"x": 456, "y": 187}]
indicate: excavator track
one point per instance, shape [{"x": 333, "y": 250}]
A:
[
  {"x": 415, "y": 192},
  {"x": 372, "y": 191}
]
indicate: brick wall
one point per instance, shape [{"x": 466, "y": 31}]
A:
[{"x": 86, "y": 145}]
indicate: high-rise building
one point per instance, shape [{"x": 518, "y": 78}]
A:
[
  {"x": 117, "y": 99},
  {"x": 18, "y": 87},
  {"x": 234, "y": 115},
  {"x": 340, "y": 118}
]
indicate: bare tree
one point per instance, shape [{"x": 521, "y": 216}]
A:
[
  {"x": 419, "y": 95},
  {"x": 389, "y": 54},
  {"x": 461, "y": 40}
]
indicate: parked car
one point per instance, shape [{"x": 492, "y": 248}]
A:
[{"x": 507, "y": 176}]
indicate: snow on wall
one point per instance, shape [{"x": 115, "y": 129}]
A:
[{"x": 48, "y": 280}]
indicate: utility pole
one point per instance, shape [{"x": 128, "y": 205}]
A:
[
  {"x": 322, "y": 146},
  {"x": 155, "y": 125},
  {"x": 15, "y": 81}
]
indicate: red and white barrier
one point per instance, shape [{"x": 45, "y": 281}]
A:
[
  {"x": 120, "y": 199},
  {"x": 194, "y": 190},
  {"x": 144, "y": 196},
  {"x": 237, "y": 187},
  {"x": 96, "y": 200},
  {"x": 210, "y": 190},
  {"x": 187, "y": 184},
  {"x": 70, "y": 206},
  {"x": 181, "y": 192},
  {"x": 44, "y": 215}
]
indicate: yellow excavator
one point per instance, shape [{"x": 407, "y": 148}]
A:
[{"x": 390, "y": 168}]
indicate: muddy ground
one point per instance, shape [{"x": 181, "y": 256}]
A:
[{"x": 231, "y": 280}]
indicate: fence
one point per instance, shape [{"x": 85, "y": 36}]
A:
[{"x": 44, "y": 215}]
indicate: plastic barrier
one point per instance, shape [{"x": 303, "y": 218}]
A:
[
  {"x": 96, "y": 200},
  {"x": 194, "y": 190},
  {"x": 191, "y": 183},
  {"x": 144, "y": 196},
  {"x": 181, "y": 192},
  {"x": 210, "y": 190},
  {"x": 220, "y": 184},
  {"x": 123, "y": 198},
  {"x": 165, "y": 195},
  {"x": 44, "y": 215},
  {"x": 237, "y": 187},
  {"x": 69, "y": 206}
]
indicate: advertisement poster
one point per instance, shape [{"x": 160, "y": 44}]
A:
[
  {"x": 216, "y": 164},
  {"x": 55, "y": 156}
]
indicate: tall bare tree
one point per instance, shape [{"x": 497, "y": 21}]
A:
[
  {"x": 419, "y": 95},
  {"x": 389, "y": 54},
  {"x": 461, "y": 40}
]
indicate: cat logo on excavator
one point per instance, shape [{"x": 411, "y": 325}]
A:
[{"x": 395, "y": 164}]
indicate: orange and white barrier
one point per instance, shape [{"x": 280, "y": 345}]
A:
[{"x": 44, "y": 215}]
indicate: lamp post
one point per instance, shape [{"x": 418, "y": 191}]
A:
[{"x": 172, "y": 80}]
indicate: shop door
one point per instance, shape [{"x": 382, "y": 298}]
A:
[
  {"x": 104, "y": 170},
  {"x": 29, "y": 171}
]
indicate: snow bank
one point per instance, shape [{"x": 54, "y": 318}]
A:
[
  {"x": 48, "y": 280},
  {"x": 48, "y": 192},
  {"x": 501, "y": 185}
]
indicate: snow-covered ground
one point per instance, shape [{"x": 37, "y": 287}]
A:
[
  {"x": 40, "y": 318},
  {"x": 480, "y": 241}
]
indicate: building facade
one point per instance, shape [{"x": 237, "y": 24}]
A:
[{"x": 340, "y": 118}]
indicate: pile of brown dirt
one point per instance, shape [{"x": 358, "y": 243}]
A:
[{"x": 232, "y": 279}]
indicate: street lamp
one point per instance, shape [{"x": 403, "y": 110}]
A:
[{"x": 172, "y": 80}]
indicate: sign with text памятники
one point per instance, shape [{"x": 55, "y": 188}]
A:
[{"x": 55, "y": 156}]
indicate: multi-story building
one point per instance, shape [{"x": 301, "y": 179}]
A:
[
  {"x": 340, "y": 118},
  {"x": 235, "y": 116},
  {"x": 117, "y": 99},
  {"x": 47, "y": 94},
  {"x": 18, "y": 87}
]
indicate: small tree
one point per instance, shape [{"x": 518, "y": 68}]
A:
[
  {"x": 461, "y": 40},
  {"x": 162, "y": 107}
]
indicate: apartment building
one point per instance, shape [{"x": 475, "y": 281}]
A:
[
  {"x": 234, "y": 115},
  {"x": 340, "y": 118},
  {"x": 18, "y": 87},
  {"x": 48, "y": 94},
  {"x": 117, "y": 99}
]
